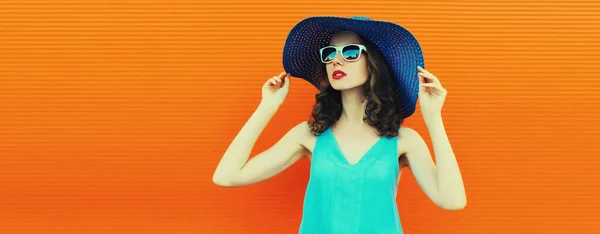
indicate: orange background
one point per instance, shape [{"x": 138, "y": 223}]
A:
[{"x": 114, "y": 114}]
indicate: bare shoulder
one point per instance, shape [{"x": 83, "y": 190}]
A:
[
  {"x": 304, "y": 137},
  {"x": 406, "y": 140},
  {"x": 412, "y": 144},
  {"x": 407, "y": 137},
  {"x": 407, "y": 133}
]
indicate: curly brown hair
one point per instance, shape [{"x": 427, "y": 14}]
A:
[{"x": 380, "y": 111}]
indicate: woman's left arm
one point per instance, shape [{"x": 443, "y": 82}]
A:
[{"x": 442, "y": 181}]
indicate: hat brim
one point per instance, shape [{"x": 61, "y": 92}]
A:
[{"x": 399, "y": 47}]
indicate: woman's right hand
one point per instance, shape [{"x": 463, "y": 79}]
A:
[{"x": 275, "y": 90}]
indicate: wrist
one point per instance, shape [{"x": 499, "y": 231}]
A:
[
  {"x": 269, "y": 105},
  {"x": 433, "y": 119},
  {"x": 433, "y": 116},
  {"x": 434, "y": 123}
]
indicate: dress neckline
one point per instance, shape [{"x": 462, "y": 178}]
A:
[{"x": 343, "y": 158}]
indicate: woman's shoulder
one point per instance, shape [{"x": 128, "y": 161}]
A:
[
  {"x": 304, "y": 135},
  {"x": 406, "y": 133},
  {"x": 301, "y": 129},
  {"x": 406, "y": 136}
]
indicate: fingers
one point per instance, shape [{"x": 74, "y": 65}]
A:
[
  {"x": 426, "y": 77},
  {"x": 421, "y": 78},
  {"x": 286, "y": 81},
  {"x": 279, "y": 80},
  {"x": 423, "y": 70},
  {"x": 429, "y": 83},
  {"x": 432, "y": 88}
]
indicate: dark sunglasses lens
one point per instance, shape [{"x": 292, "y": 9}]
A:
[
  {"x": 328, "y": 54},
  {"x": 351, "y": 52}
]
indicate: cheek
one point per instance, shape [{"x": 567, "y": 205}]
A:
[
  {"x": 329, "y": 68},
  {"x": 361, "y": 69}
]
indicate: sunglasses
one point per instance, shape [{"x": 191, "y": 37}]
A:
[{"x": 350, "y": 52}]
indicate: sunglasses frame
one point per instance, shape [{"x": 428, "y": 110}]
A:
[{"x": 338, "y": 50}]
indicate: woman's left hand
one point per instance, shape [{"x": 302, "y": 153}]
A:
[{"x": 431, "y": 93}]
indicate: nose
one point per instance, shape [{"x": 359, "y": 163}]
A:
[{"x": 337, "y": 60}]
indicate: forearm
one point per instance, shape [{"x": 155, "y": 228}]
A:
[
  {"x": 236, "y": 156},
  {"x": 449, "y": 179}
]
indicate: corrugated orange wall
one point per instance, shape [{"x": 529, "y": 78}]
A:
[{"x": 114, "y": 114}]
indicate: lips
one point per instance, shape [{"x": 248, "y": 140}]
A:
[{"x": 337, "y": 74}]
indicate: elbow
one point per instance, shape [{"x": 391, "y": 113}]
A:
[
  {"x": 455, "y": 205},
  {"x": 451, "y": 203},
  {"x": 228, "y": 180},
  {"x": 222, "y": 181}
]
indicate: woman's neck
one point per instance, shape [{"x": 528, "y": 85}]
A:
[{"x": 353, "y": 107}]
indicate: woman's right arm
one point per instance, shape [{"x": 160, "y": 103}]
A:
[{"x": 235, "y": 169}]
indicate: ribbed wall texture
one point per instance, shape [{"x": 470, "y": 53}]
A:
[{"x": 114, "y": 114}]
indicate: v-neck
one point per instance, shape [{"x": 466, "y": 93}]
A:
[{"x": 344, "y": 158}]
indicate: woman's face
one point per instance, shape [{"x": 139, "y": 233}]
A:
[{"x": 356, "y": 71}]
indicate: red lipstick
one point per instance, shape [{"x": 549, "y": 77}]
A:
[{"x": 338, "y": 74}]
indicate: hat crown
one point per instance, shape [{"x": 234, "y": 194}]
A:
[{"x": 360, "y": 18}]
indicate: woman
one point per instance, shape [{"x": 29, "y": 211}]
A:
[{"x": 370, "y": 75}]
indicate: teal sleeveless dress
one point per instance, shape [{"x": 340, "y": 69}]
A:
[{"x": 344, "y": 198}]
